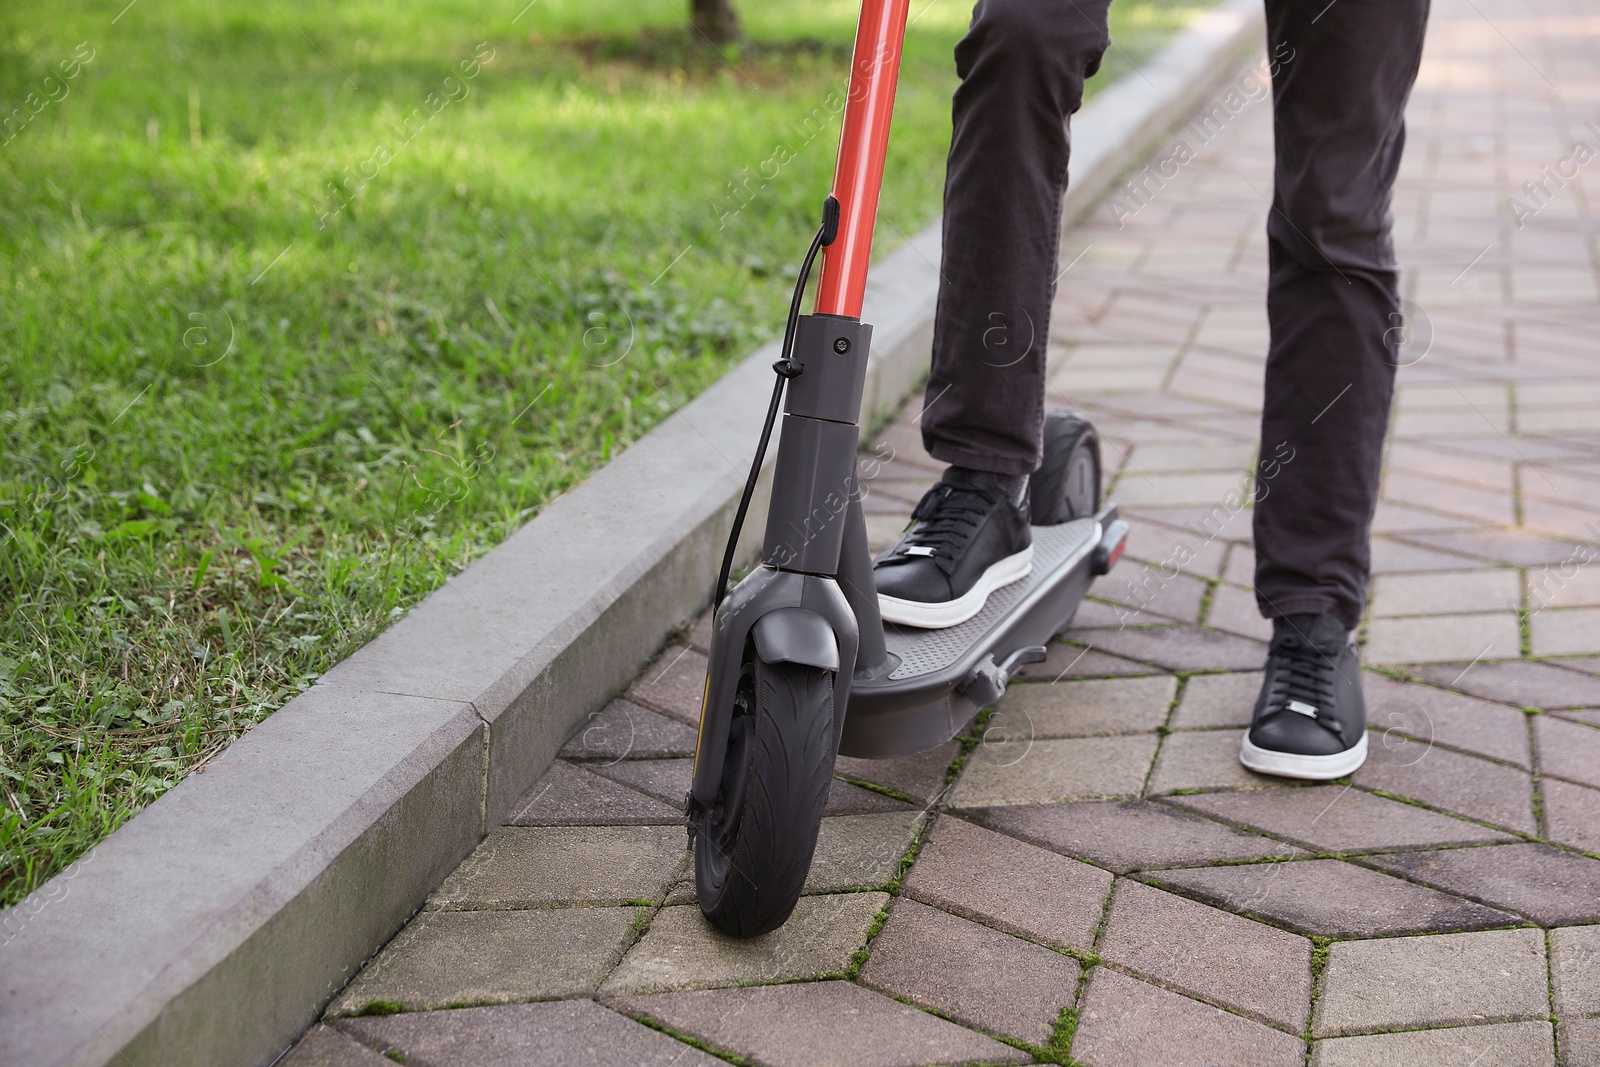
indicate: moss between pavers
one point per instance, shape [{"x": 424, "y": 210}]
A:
[{"x": 687, "y": 1039}]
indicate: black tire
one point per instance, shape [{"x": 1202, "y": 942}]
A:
[
  {"x": 1067, "y": 484},
  {"x": 753, "y": 849}
]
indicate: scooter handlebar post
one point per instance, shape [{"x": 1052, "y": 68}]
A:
[{"x": 863, "y": 143}]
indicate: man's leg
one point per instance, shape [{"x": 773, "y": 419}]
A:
[
  {"x": 1345, "y": 69},
  {"x": 1022, "y": 66},
  {"x": 1332, "y": 294}
]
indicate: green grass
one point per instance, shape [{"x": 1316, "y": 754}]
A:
[{"x": 246, "y": 420}]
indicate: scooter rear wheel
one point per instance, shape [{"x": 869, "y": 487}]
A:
[
  {"x": 754, "y": 847},
  {"x": 1067, "y": 484}
]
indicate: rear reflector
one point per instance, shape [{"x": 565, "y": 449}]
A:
[{"x": 1112, "y": 541}]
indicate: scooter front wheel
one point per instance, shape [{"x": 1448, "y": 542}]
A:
[{"x": 753, "y": 847}]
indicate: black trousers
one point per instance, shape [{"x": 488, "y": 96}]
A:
[{"x": 1343, "y": 73}]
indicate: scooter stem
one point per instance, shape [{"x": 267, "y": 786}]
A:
[{"x": 863, "y": 142}]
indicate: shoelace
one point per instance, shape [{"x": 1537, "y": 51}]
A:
[
  {"x": 1303, "y": 681},
  {"x": 944, "y": 522}
]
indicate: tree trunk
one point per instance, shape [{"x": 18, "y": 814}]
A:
[{"x": 716, "y": 21}]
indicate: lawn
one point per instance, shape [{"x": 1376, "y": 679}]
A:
[{"x": 308, "y": 305}]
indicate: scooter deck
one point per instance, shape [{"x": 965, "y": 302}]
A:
[{"x": 917, "y": 700}]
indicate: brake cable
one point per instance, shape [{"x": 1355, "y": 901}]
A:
[{"x": 785, "y": 368}]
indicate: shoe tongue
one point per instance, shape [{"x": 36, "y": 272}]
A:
[{"x": 1323, "y": 631}]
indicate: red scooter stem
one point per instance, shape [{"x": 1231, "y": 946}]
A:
[{"x": 858, "y": 173}]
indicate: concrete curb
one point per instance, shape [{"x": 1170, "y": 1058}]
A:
[{"x": 214, "y": 926}]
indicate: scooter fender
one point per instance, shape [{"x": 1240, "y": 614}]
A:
[
  {"x": 795, "y": 635},
  {"x": 790, "y": 617}
]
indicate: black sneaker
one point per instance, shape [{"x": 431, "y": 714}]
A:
[
  {"x": 1311, "y": 717},
  {"x": 968, "y": 537}
]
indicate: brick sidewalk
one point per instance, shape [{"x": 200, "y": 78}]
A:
[{"x": 1095, "y": 875}]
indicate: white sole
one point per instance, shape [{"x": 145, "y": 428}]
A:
[
  {"x": 954, "y": 612},
  {"x": 1291, "y": 765}
]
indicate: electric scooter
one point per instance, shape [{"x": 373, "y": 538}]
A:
[{"x": 802, "y": 665}]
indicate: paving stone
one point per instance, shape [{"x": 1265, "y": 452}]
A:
[
  {"x": 1217, "y": 700},
  {"x": 1185, "y": 648},
  {"x": 1233, "y": 608},
  {"x": 1446, "y": 593},
  {"x": 1241, "y": 566},
  {"x": 1446, "y": 638},
  {"x": 523, "y": 866},
  {"x": 681, "y": 950},
  {"x": 1568, "y": 750},
  {"x": 1523, "y": 449},
  {"x": 665, "y": 779},
  {"x": 323, "y": 1046},
  {"x": 1398, "y": 711},
  {"x": 882, "y": 530},
  {"x": 1125, "y": 835},
  {"x": 1009, "y": 884},
  {"x": 1167, "y": 489},
  {"x": 1124, "y": 1022},
  {"x": 447, "y": 958},
  {"x": 1087, "y": 708},
  {"x": 1496, "y": 1045},
  {"x": 1064, "y": 661},
  {"x": 674, "y": 684},
  {"x": 1254, "y": 969},
  {"x": 1331, "y": 898},
  {"x": 1571, "y": 814},
  {"x": 1569, "y": 583},
  {"x": 1096, "y": 614},
  {"x": 1565, "y": 632},
  {"x": 1401, "y": 983},
  {"x": 1050, "y": 771},
  {"x": 1217, "y": 456},
  {"x": 847, "y": 799},
  {"x": 1396, "y": 557},
  {"x": 569, "y": 795},
  {"x": 625, "y": 730},
  {"x": 1580, "y": 1042},
  {"x": 1336, "y": 818},
  {"x": 1430, "y": 490},
  {"x": 1546, "y": 884},
  {"x": 700, "y": 635},
  {"x": 901, "y": 441},
  {"x": 683, "y": 891},
  {"x": 1207, "y": 759},
  {"x": 1524, "y": 683},
  {"x": 1517, "y": 548},
  {"x": 1172, "y": 552},
  {"x": 1149, "y": 594},
  {"x": 1466, "y": 785},
  {"x": 572, "y": 1033},
  {"x": 1392, "y": 518},
  {"x": 819, "y": 1024},
  {"x": 977, "y": 976},
  {"x": 903, "y": 491},
  {"x": 920, "y": 777},
  {"x": 1575, "y": 970},
  {"x": 860, "y": 851},
  {"x": 1587, "y": 664},
  {"x": 1587, "y": 716}
]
